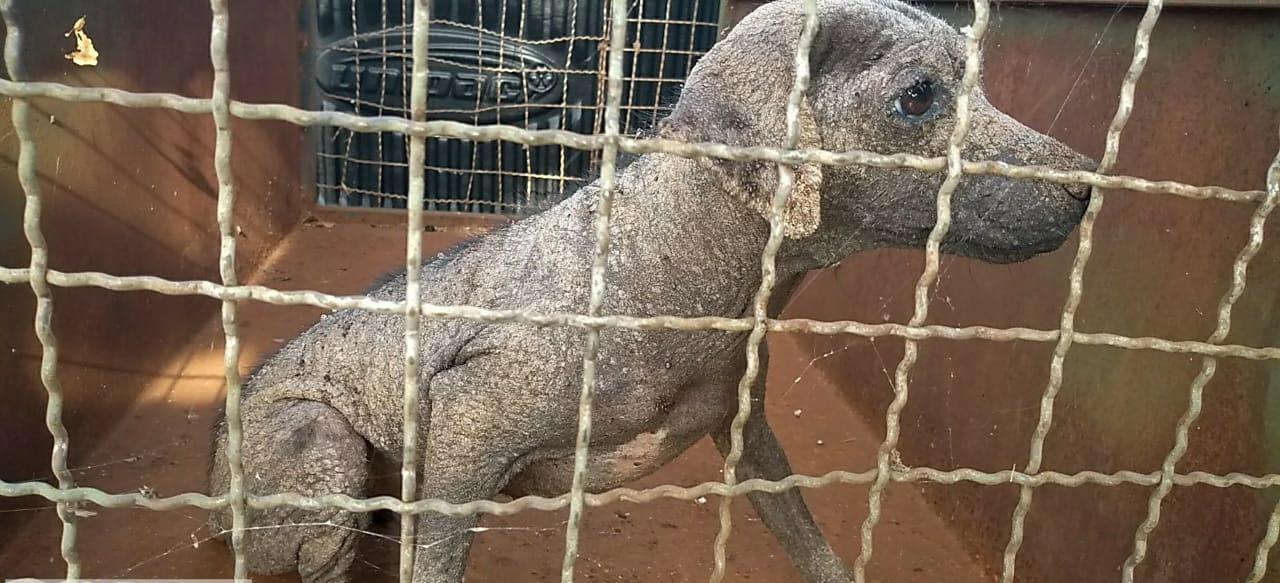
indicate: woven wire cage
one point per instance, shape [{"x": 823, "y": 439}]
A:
[
  {"x": 229, "y": 291},
  {"x": 534, "y": 64}
]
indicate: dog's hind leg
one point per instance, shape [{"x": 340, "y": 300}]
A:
[{"x": 307, "y": 448}]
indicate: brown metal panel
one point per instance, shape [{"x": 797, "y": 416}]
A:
[
  {"x": 1207, "y": 112},
  {"x": 133, "y": 192}
]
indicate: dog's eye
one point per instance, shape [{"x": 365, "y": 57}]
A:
[{"x": 916, "y": 100}]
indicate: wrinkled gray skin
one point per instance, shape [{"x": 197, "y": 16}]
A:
[{"x": 500, "y": 400}]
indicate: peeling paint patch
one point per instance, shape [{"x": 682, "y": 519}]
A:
[{"x": 85, "y": 54}]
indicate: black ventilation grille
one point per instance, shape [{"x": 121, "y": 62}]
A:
[{"x": 536, "y": 64}]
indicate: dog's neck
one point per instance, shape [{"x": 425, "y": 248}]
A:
[{"x": 676, "y": 226}]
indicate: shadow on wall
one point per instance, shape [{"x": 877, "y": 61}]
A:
[{"x": 133, "y": 192}]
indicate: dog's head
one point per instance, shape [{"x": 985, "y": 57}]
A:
[{"x": 884, "y": 78}]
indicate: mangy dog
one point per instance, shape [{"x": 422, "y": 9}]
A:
[{"x": 500, "y": 400}]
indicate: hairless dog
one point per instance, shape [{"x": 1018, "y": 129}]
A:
[{"x": 500, "y": 399}]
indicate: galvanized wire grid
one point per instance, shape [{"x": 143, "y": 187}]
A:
[
  {"x": 221, "y": 105},
  {"x": 972, "y": 67},
  {"x": 473, "y": 176},
  {"x": 768, "y": 258},
  {"x": 66, "y": 495},
  {"x": 30, "y": 182},
  {"x": 1076, "y": 292}
]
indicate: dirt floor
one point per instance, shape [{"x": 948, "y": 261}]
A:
[{"x": 161, "y": 446}]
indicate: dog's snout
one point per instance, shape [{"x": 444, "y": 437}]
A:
[{"x": 1078, "y": 191}]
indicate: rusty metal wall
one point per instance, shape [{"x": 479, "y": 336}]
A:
[
  {"x": 1206, "y": 113},
  {"x": 132, "y": 191}
]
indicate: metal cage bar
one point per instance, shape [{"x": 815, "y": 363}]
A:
[
  {"x": 1142, "y": 41},
  {"x": 888, "y": 448},
  {"x": 38, "y": 278},
  {"x": 1272, "y": 533},
  {"x": 768, "y": 278},
  {"x": 473, "y": 313},
  {"x": 1208, "y": 366},
  {"x": 413, "y": 285},
  {"x": 913, "y": 475},
  {"x": 599, "y": 264},
  {"x": 222, "y": 109},
  {"x": 578, "y": 141}
]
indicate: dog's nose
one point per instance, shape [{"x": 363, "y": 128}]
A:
[{"x": 1078, "y": 191}]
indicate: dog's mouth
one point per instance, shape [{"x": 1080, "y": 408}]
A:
[
  {"x": 1008, "y": 222},
  {"x": 1003, "y": 255},
  {"x": 997, "y": 258}
]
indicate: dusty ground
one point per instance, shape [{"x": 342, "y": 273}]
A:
[{"x": 161, "y": 445}]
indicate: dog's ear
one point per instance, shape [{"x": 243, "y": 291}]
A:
[{"x": 737, "y": 95}]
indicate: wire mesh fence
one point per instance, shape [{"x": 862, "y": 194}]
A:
[
  {"x": 533, "y": 64},
  {"x": 608, "y": 144}
]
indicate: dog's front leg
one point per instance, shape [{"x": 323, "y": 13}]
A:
[
  {"x": 459, "y": 466},
  {"x": 784, "y": 514},
  {"x": 443, "y": 543}
]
